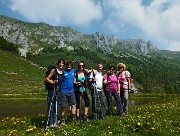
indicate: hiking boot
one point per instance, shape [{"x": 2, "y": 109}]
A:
[
  {"x": 121, "y": 114},
  {"x": 58, "y": 122},
  {"x": 55, "y": 125},
  {"x": 63, "y": 122},
  {"x": 85, "y": 118},
  {"x": 95, "y": 117},
  {"x": 52, "y": 126},
  {"x": 102, "y": 118},
  {"x": 77, "y": 118},
  {"x": 74, "y": 119}
]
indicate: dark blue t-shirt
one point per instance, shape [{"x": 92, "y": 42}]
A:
[{"x": 67, "y": 83}]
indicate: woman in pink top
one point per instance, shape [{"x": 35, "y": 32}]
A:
[
  {"x": 111, "y": 89},
  {"x": 124, "y": 85}
]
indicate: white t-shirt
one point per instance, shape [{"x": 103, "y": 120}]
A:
[{"x": 99, "y": 79}]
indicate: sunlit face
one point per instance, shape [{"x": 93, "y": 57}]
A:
[
  {"x": 112, "y": 70},
  {"x": 61, "y": 65},
  {"x": 69, "y": 66},
  {"x": 120, "y": 68},
  {"x": 99, "y": 67},
  {"x": 81, "y": 66}
]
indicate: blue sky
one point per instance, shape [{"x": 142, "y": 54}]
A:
[{"x": 154, "y": 20}]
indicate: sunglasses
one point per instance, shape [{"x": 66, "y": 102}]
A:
[
  {"x": 61, "y": 63},
  {"x": 69, "y": 65},
  {"x": 80, "y": 65},
  {"x": 120, "y": 67}
]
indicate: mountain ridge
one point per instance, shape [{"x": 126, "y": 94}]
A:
[
  {"x": 30, "y": 34},
  {"x": 153, "y": 70}
]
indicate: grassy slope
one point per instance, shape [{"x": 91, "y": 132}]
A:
[{"x": 19, "y": 76}]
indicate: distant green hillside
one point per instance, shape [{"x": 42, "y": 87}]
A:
[
  {"x": 8, "y": 46},
  {"x": 155, "y": 72},
  {"x": 19, "y": 76}
]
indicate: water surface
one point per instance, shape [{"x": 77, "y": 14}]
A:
[{"x": 27, "y": 107}]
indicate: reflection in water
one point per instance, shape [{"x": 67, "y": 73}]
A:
[
  {"x": 20, "y": 108},
  {"x": 144, "y": 101}
]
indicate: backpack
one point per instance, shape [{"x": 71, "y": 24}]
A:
[
  {"x": 48, "y": 85},
  {"x": 85, "y": 84}
]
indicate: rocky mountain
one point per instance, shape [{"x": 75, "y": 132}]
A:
[
  {"x": 36, "y": 36},
  {"x": 153, "y": 70}
]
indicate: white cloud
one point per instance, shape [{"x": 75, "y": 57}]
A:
[
  {"x": 58, "y": 12},
  {"x": 174, "y": 46},
  {"x": 158, "y": 20}
]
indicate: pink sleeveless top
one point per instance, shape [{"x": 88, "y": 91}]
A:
[{"x": 112, "y": 86}]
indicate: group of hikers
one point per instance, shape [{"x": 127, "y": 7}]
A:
[{"x": 68, "y": 87}]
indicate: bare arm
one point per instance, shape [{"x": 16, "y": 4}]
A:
[
  {"x": 129, "y": 83},
  {"x": 93, "y": 76},
  {"x": 48, "y": 78},
  {"x": 75, "y": 80},
  {"x": 119, "y": 87},
  {"x": 88, "y": 70},
  {"x": 105, "y": 81}
]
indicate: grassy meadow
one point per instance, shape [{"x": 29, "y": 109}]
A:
[
  {"x": 21, "y": 79},
  {"x": 147, "y": 119}
]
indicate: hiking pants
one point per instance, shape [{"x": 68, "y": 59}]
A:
[
  {"x": 51, "y": 109},
  {"x": 84, "y": 97},
  {"x": 124, "y": 99},
  {"x": 98, "y": 95},
  {"x": 117, "y": 100}
]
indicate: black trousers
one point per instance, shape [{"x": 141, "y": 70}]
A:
[{"x": 84, "y": 97}]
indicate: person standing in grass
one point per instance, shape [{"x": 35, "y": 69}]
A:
[
  {"x": 67, "y": 95},
  {"x": 111, "y": 89},
  {"x": 53, "y": 82},
  {"x": 96, "y": 88},
  {"x": 124, "y": 78},
  {"x": 80, "y": 90}
]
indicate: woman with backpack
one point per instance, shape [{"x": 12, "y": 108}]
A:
[
  {"x": 111, "y": 89},
  {"x": 80, "y": 90},
  {"x": 124, "y": 78},
  {"x": 53, "y": 80}
]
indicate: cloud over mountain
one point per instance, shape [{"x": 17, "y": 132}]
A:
[
  {"x": 58, "y": 11},
  {"x": 155, "y": 20},
  {"x": 159, "y": 19}
]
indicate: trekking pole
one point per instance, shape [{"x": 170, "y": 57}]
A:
[
  {"x": 95, "y": 94},
  {"x": 50, "y": 110},
  {"x": 82, "y": 95},
  {"x": 56, "y": 93},
  {"x": 129, "y": 98}
]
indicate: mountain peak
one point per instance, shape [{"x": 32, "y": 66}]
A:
[{"x": 41, "y": 35}]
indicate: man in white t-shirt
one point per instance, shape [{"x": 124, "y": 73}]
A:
[{"x": 96, "y": 92}]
